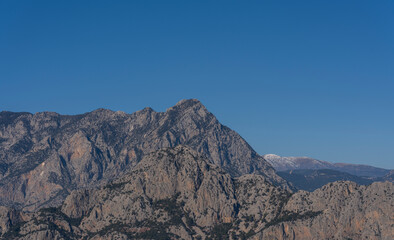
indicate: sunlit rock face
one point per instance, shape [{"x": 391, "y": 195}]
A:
[
  {"x": 345, "y": 211},
  {"x": 44, "y": 156},
  {"x": 176, "y": 193}
]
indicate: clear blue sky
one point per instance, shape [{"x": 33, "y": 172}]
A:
[{"x": 312, "y": 78}]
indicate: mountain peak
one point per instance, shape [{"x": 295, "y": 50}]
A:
[
  {"x": 110, "y": 135},
  {"x": 271, "y": 156},
  {"x": 187, "y": 104},
  {"x": 191, "y": 101}
]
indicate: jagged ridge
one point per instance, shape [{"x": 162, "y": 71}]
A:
[{"x": 44, "y": 156}]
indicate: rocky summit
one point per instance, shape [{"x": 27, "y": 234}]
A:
[
  {"x": 44, "y": 156},
  {"x": 175, "y": 193}
]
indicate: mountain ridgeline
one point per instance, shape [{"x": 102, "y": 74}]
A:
[
  {"x": 178, "y": 174},
  {"x": 309, "y": 174},
  {"x": 301, "y": 163},
  {"x": 44, "y": 156},
  {"x": 310, "y": 180}
]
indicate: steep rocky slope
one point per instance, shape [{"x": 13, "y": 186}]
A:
[
  {"x": 170, "y": 193},
  {"x": 175, "y": 193},
  {"x": 344, "y": 211},
  {"x": 44, "y": 156}
]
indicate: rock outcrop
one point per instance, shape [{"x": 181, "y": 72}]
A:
[
  {"x": 340, "y": 210},
  {"x": 175, "y": 193},
  {"x": 44, "y": 156}
]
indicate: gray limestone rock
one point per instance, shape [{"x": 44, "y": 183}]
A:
[
  {"x": 44, "y": 156},
  {"x": 176, "y": 193}
]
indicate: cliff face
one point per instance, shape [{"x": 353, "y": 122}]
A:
[
  {"x": 177, "y": 193},
  {"x": 344, "y": 210},
  {"x": 43, "y": 157},
  {"x": 173, "y": 192}
]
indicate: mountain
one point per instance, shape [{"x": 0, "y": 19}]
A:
[
  {"x": 45, "y": 156},
  {"x": 293, "y": 163},
  {"x": 310, "y": 179},
  {"x": 309, "y": 174},
  {"x": 339, "y": 210},
  {"x": 176, "y": 193},
  {"x": 361, "y": 170},
  {"x": 178, "y": 174}
]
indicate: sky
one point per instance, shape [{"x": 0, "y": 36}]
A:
[{"x": 294, "y": 78}]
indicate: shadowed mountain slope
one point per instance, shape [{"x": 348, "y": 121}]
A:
[{"x": 310, "y": 180}]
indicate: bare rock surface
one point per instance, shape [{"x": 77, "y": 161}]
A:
[
  {"x": 171, "y": 193},
  {"x": 176, "y": 193},
  {"x": 340, "y": 210},
  {"x": 45, "y": 156}
]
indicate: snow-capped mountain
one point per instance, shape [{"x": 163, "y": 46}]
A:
[{"x": 293, "y": 163}]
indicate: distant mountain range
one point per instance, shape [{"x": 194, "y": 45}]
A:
[
  {"x": 310, "y": 174},
  {"x": 311, "y": 179},
  {"x": 294, "y": 163}
]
